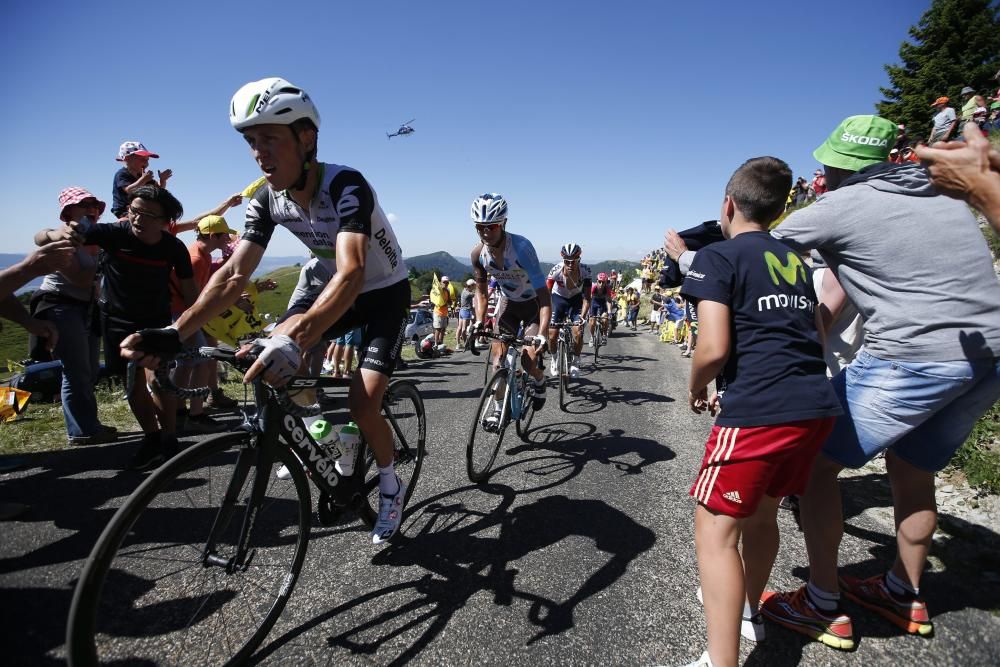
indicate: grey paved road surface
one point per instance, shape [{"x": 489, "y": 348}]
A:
[{"x": 578, "y": 552}]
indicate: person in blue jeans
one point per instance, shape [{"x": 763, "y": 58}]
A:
[{"x": 66, "y": 298}]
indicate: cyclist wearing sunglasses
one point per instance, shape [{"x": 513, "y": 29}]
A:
[
  {"x": 570, "y": 283},
  {"x": 334, "y": 211},
  {"x": 512, "y": 261},
  {"x": 600, "y": 295}
]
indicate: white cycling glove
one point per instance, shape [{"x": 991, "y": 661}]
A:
[
  {"x": 540, "y": 341},
  {"x": 281, "y": 356}
]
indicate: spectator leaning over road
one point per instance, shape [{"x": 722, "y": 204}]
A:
[
  {"x": 67, "y": 299},
  {"x": 944, "y": 121},
  {"x": 969, "y": 171},
  {"x": 139, "y": 257},
  {"x": 441, "y": 311},
  {"x": 133, "y": 175},
  {"x": 759, "y": 343},
  {"x": 915, "y": 391}
]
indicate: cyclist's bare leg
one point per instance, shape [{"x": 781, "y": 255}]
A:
[
  {"x": 553, "y": 337},
  {"x": 365, "y": 401},
  {"x": 499, "y": 351},
  {"x": 578, "y": 338}
]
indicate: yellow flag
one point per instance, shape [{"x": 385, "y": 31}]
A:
[
  {"x": 251, "y": 189},
  {"x": 436, "y": 298}
]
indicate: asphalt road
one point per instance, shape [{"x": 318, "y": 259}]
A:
[{"x": 579, "y": 551}]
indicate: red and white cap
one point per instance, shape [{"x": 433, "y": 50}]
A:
[{"x": 133, "y": 148}]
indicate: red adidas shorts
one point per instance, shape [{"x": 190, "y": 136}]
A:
[{"x": 742, "y": 464}]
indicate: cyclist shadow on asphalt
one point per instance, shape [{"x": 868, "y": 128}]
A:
[
  {"x": 587, "y": 396},
  {"x": 963, "y": 571},
  {"x": 560, "y": 451},
  {"x": 466, "y": 547}
]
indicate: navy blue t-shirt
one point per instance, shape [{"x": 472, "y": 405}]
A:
[
  {"x": 136, "y": 286},
  {"x": 119, "y": 198},
  {"x": 775, "y": 373}
]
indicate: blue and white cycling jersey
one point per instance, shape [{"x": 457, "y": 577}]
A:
[{"x": 519, "y": 277}]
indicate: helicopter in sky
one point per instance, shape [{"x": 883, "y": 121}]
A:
[{"x": 403, "y": 130}]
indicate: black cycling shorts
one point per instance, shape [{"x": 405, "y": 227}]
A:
[
  {"x": 566, "y": 309},
  {"x": 510, "y": 314},
  {"x": 381, "y": 314}
]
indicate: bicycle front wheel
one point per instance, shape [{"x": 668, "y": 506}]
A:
[
  {"x": 488, "y": 426},
  {"x": 163, "y": 583},
  {"x": 563, "y": 374},
  {"x": 404, "y": 411},
  {"x": 595, "y": 341}
]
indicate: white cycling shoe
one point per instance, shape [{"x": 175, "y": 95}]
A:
[{"x": 390, "y": 513}]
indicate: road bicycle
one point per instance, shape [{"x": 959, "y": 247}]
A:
[
  {"x": 198, "y": 563},
  {"x": 564, "y": 357},
  {"x": 515, "y": 403},
  {"x": 598, "y": 337}
]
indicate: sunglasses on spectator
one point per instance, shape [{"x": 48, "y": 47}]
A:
[
  {"x": 145, "y": 214},
  {"x": 491, "y": 227}
]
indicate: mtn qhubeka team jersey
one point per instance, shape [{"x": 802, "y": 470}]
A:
[
  {"x": 775, "y": 371},
  {"x": 557, "y": 281},
  {"x": 519, "y": 276},
  {"x": 343, "y": 202}
]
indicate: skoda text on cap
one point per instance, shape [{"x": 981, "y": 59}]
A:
[{"x": 857, "y": 142}]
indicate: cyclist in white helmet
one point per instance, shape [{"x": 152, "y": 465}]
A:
[
  {"x": 511, "y": 259},
  {"x": 334, "y": 211},
  {"x": 570, "y": 284}
]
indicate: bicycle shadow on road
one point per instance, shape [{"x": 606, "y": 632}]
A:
[
  {"x": 587, "y": 396},
  {"x": 561, "y": 451},
  {"x": 464, "y": 547}
]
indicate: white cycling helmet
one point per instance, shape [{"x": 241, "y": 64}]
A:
[
  {"x": 489, "y": 207},
  {"x": 570, "y": 251},
  {"x": 270, "y": 101}
]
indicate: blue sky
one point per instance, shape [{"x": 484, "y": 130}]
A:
[{"x": 602, "y": 123}]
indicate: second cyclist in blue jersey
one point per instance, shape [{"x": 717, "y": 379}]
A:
[
  {"x": 512, "y": 261},
  {"x": 335, "y": 213}
]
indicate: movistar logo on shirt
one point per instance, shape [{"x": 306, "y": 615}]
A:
[
  {"x": 790, "y": 272},
  {"x": 863, "y": 140}
]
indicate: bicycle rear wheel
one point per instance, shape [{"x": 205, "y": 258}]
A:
[
  {"x": 152, "y": 591},
  {"x": 404, "y": 410},
  {"x": 486, "y": 435}
]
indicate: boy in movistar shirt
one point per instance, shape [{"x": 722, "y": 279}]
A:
[{"x": 776, "y": 407}]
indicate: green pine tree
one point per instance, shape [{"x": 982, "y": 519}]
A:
[{"x": 955, "y": 44}]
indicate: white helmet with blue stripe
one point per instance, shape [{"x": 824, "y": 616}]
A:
[{"x": 489, "y": 208}]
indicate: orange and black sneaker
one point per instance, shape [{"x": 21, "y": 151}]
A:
[
  {"x": 906, "y": 611},
  {"x": 795, "y": 612}
]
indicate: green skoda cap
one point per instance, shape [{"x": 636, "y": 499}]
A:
[{"x": 857, "y": 142}]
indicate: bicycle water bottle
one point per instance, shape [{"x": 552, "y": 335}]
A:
[
  {"x": 350, "y": 439},
  {"x": 324, "y": 434}
]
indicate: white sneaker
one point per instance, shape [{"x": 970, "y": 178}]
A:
[
  {"x": 390, "y": 513},
  {"x": 752, "y": 627},
  {"x": 553, "y": 369},
  {"x": 574, "y": 372},
  {"x": 590, "y": 342},
  {"x": 283, "y": 472},
  {"x": 703, "y": 661}
]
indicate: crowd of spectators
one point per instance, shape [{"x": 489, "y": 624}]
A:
[{"x": 112, "y": 279}]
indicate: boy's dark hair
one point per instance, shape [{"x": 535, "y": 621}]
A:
[
  {"x": 759, "y": 188},
  {"x": 172, "y": 208}
]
